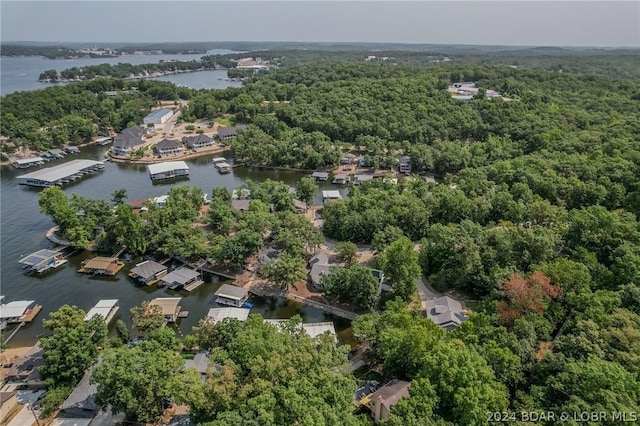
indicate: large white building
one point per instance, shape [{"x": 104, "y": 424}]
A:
[{"x": 159, "y": 116}]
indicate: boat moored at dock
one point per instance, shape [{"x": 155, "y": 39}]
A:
[
  {"x": 42, "y": 261},
  {"x": 233, "y": 296},
  {"x": 61, "y": 174}
]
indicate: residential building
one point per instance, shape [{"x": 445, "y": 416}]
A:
[
  {"x": 159, "y": 116},
  {"x": 445, "y": 312},
  {"x": 168, "y": 147},
  {"x": 240, "y": 205},
  {"x": 25, "y": 369},
  {"x": 81, "y": 402},
  {"x": 381, "y": 401},
  {"x": 197, "y": 142},
  {"x": 129, "y": 140},
  {"x": 226, "y": 133}
]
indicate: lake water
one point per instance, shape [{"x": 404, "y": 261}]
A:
[
  {"x": 23, "y": 228},
  {"x": 19, "y": 74}
]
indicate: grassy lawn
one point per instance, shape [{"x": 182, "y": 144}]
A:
[{"x": 226, "y": 121}]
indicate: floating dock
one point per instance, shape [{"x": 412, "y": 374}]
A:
[
  {"x": 61, "y": 174},
  {"x": 106, "y": 309},
  {"x": 168, "y": 170}
]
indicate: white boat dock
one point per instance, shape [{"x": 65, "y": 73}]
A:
[
  {"x": 216, "y": 315},
  {"x": 106, "y": 308},
  {"x": 42, "y": 261},
  {"x": 61, "y": 174},
  {"x": 23, "y": 163},
  {"x": 232, "y": 295},
  {"x": 168, "y": 170}
]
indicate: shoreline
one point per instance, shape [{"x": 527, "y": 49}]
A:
[{"x": 153, "y": 160}]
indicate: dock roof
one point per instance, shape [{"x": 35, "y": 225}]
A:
[
  {"x": 29, "y": 160},
  {"x": 332, "y": 195},
  {"x": 14, "y": 309},
  {"x": 39, "y": 258},
  {"x": 61, "y": 171},
  {"x": 231, "y": 292},
  {"x": 216, "y": 315},
  {"x": 321, "y": 175},
  {"x": 102, "y": 308},
  {"x": 169, "y": 305},
  {"x": 148, "y": 268},
  {"x": 99, "y": 262},
  {"x": 167, "y": 166},
  {"x": 180, "y": 275},
  {"x": 313, "y": 329}
]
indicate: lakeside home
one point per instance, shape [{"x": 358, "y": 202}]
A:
[
  {"x": 168, "y": 147},
  {"x": 168, "y": 170},
  {"x": 129, "y": 140},
  {"x": 199, "y": 141},
  {"x": 226, "y": 133}
]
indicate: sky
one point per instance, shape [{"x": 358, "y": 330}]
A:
[{"x": 478, "y": 22}]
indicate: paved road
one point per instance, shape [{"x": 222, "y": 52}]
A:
[{"x": 426, "y": 291}]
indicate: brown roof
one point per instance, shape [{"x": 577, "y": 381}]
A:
[
  {"x": 169, "y": 305},
  {"x": 391, "y": 393},
  {"x": 100, "y": 262}
]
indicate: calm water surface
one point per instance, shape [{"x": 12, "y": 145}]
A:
[
  {"x": 19, "y": 74},
  {"x": 23, "y": 228}
]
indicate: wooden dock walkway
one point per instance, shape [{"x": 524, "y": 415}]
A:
[{"x": 193, "y": 285}]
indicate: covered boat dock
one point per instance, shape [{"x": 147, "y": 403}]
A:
[
  {"x": 182, "y": 277},
  {"x": 101, "y": 266},
  {"x": 216, "y": 315},
  {"x": 42, "y": 261},
  {"x": 61, "y": 174},
  {"x": 105, "y": 308},
  {"x": 232, "y": 295},
  {"x": 168, "y": 170}
]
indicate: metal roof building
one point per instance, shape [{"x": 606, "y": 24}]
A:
[
  {"x": 159, "y": 116},
  {"x": 216, "y": 315},
  {"x": 167, "y": 170},
  {"x": 14, "y": 309},
  {"x": 60, "y": 174},
  {"x": 106, "y": 308}
]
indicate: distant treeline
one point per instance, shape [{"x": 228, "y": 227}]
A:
[{"x": 50, "y": 52}]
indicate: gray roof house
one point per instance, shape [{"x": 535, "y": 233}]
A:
[
  {"x": 240, "y": 205},
  {"x": 445, "y": 312},
  {"x": 320, "y": 257},
  {"x": 80, "y": 403},
  {"x": 25, "y": 368},
  {"x": 318, "y": 270},
  {"x": 169, "y": 146},
  {"x": 226, "y": 133},
  {"x": 381, "y": 401},
  {"x": 130, "y": 139},
  {"x": 199, "y": 141}
]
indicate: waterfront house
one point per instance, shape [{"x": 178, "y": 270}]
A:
[
  {"x": 197, "y": 142},
  {"x": 81, "y": 401},
  {"x": 348, "y": 159},
  {"x": 148, "y": 272},
  {"x": 25, "y": 369},
  {"x": 181, "y": 277},
  {"x": 381, "y": 401},
  {"x": 233, "y": 296},
  {"x": 168, "y": 170},
  {"x": 320, "y": 176},
  {"x": 170, "y": 307},
  {"x": 160, "y": 201},
  {"x": 445, "y": 312},
  {"x": 319, "y": 270},
  {"x": 129, "y": 140},
  {"x": 159, "y": 116},
  {"x": 331, "y": 195},
  {"x": 321, "y": 257},
  {"x": 168, "y": 147},
  {"x": 200, "y": 363},
  {"x": 106, "y": 309},
  {"x": 100, "y": 265},
  {"x": 215, "y": 315},
  {"x": 405, "y": 165},
  {"x": 226, "y": 133}
]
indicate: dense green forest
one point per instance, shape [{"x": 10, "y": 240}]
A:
[{"x": 535, "y": 217}]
